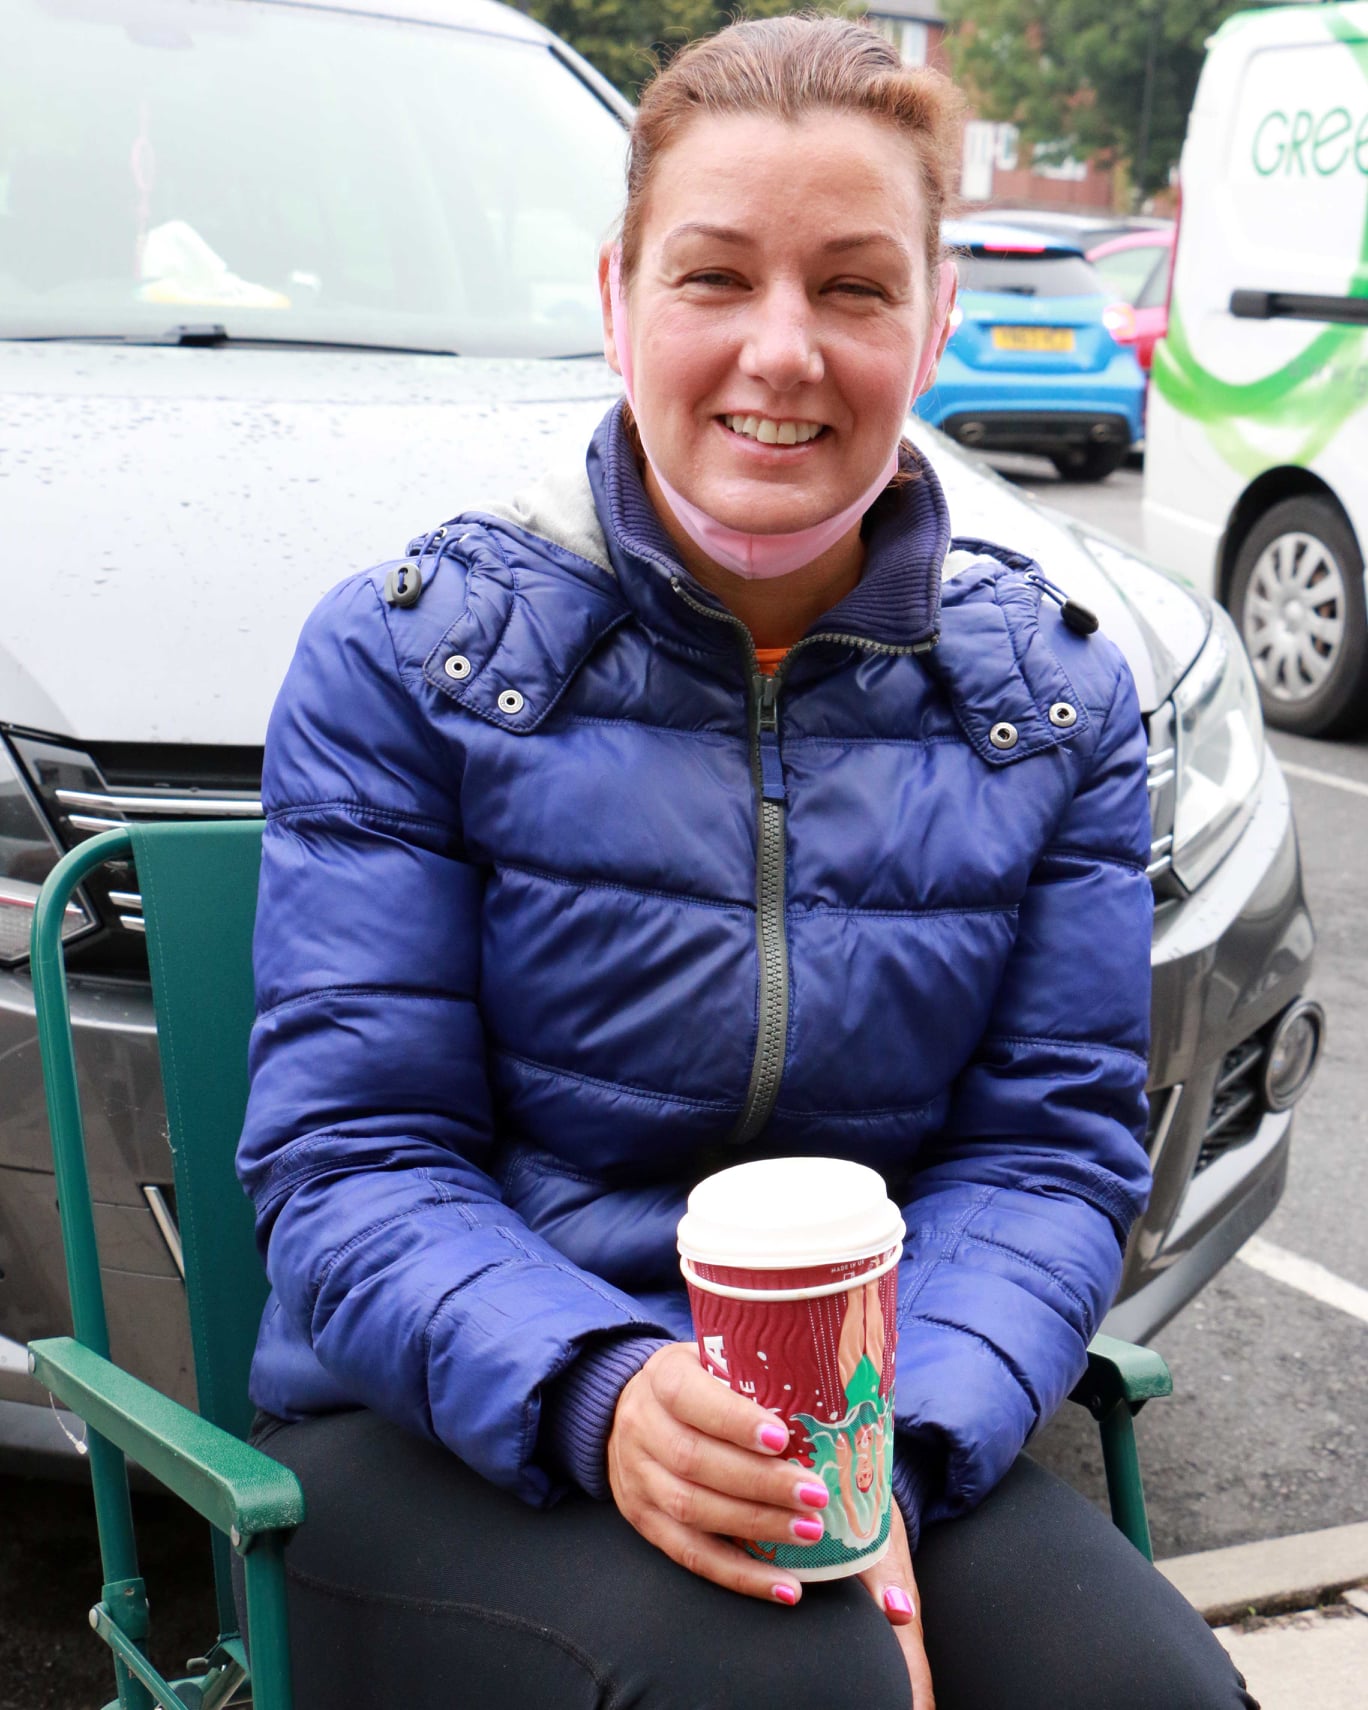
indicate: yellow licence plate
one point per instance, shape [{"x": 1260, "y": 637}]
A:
[{"x": 1033, "y": 338}]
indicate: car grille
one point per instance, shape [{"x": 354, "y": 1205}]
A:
[
  {"x": 94, "y": 811},
  {"x": 1237, "y": 1106},
  {"x": 103, "y": 786},
  {"x": 1161, "y": 766}
]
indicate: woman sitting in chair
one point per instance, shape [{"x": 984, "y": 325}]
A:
[{"x": 692, "y": 812}]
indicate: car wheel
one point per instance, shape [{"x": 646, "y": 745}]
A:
[
  {"x": 1089, "y": 462},
  {"x": 1296, "y": 595}
]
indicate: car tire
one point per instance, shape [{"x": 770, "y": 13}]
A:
[
  {"x": 1315, "y": 684},
  {"x": 1089, "y": 462}
]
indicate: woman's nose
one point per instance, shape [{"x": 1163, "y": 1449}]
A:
[{"x": 781, "y": 346}]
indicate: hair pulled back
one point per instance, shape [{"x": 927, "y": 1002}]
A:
[{"x": 789, "y": 67}]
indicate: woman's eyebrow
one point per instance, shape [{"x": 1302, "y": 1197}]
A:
[
  {"x": 698, "y": 228},
  {"x": 876, "y": 239},
  {"x": 864, "y": 240}
]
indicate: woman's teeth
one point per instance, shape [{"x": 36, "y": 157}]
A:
[{"x": 773, "y": 433}]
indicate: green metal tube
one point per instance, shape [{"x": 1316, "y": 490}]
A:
[
  {"x": 1125, "y": 1487},
  {"x": 268, "y": 1623},
  {"x": 60, "y": 1086},
  {"x": 109, "y": 1476}
]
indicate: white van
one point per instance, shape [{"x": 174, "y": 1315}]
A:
[{"x": 1256, "y": 460}]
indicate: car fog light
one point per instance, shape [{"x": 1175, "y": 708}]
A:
[{"x": 1292, "y": 1053}]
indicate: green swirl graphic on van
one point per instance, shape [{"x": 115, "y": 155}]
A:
[{"x": 1309, "y": 398}]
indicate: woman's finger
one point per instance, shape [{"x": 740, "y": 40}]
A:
[
  {"x": 709, "y": 1510},
  {"x": 720, "y": 1561},
  {"x": 698, "y": 1460},
  {"x": 893, "y": 1586},
  {"x": 692, "y": 1396}
]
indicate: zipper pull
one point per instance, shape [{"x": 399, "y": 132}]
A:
[
  {"x": 1076, "y": 617},
  {"x": 771, "y": 765}
]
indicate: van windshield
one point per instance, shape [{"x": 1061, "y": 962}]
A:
[{"x": 256, "y": 171}]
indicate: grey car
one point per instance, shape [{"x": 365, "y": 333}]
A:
[{"x": 283, "y": 285}]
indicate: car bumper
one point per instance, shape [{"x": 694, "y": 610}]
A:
[
  {"x": 1036, "y": 412},
  {"x": 1227, "y": 961},
  {"x": 127, "y": 1153}
]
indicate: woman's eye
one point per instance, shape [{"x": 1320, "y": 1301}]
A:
[
  {"x": 857, "y": 288},
  {"x": 711, "y": 279}
]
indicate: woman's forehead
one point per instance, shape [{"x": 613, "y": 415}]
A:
[{"x": 850, "y": 181}]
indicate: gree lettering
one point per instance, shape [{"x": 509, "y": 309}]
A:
[{"x": 1303, "y": 143}]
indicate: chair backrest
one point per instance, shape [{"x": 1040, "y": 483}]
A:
[{"x": 198, "y": 884}]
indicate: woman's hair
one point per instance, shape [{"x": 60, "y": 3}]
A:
[{"x": 789, "y": 67}]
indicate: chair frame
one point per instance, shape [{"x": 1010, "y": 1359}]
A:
[{"x": 250, "y": 1500}]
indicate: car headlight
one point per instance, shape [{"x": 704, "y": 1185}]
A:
[
  {"x": 28, "y": 853},
  {"x": 1220, "y": 752}
]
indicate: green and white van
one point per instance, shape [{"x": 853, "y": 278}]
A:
[{"x": 1256, "y": 459}]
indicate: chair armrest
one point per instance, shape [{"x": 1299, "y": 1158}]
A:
[
  {"x": 1121, "y": 1371},
  {"x": 235, "y": 1487}
]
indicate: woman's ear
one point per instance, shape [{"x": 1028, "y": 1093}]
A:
[
  {"x": 605, "y": 264},
  {"x": 942, "y": 324}
]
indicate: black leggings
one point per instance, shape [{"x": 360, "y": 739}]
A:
[{"x": 414, "y": 1582}]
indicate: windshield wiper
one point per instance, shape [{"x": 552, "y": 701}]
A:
[{"x": 211, "y": 335}]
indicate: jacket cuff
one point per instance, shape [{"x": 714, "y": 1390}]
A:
[
  {"x": 578, "y": 1408},
  {"x": 918, "y": 1472}
]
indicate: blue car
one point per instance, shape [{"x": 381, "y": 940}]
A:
[{"x": 1032, "y": 364}]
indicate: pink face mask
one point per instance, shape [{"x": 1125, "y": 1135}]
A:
[{"x": 757, "y": 556}]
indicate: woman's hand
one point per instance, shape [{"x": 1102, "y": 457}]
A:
[
  {"x": 892, "y": 1586},
  {"x": 688, "y": 1460}
]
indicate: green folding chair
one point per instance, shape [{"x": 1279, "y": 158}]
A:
[{"x": 198, "y": 884}]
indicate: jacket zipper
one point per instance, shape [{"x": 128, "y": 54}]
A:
[{"x": 771, "y": 855}]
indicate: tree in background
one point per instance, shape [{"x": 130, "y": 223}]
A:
[
  {"x": 619, "y": 37},
  {"x": 1087, "y": 77}
]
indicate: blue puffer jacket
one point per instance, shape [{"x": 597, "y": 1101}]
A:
[{"x": 563, "y": 906}]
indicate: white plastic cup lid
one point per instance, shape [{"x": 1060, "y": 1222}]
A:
[{"x": 786, "y": 1213}]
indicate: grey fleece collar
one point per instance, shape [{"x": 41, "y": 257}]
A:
[{"x": 559, "y": 507}]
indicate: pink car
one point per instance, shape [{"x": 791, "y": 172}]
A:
[{"x": 1137, "y": 267}]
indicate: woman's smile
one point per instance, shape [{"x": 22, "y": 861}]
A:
[
  {"x": 772, "y": 442},
  {"x": 765, "y": 430}
]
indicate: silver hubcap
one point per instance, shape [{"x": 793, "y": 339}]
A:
[{"x": 1293, "y": 616}]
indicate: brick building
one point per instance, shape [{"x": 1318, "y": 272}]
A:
[{"x": 995, "y": 168}]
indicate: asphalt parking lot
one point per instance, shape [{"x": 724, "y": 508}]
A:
[{"x": 1267, "y": 1433}]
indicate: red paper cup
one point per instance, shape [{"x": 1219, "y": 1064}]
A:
[{"x": 792, "y": 1270}]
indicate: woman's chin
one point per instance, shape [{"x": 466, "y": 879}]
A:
[{"x": 756, "y": 508}]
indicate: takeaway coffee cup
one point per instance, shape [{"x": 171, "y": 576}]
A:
[{"x": 792, "y": 1268}]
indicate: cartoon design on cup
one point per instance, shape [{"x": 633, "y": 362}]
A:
[{"x": 853, "y": 1456}]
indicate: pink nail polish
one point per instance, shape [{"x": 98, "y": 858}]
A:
[
  {"x": 774, "y": 1437},
  {"x": 814, "y": 1495},
  {"x": 897, "y": 1602},
  {"x": 809, "y": 1530},
  {"x": 785, "y": 1594}
]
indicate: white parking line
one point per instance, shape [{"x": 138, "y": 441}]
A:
[
  {"x": 1313, "y": 776},
  {"x": 1306, "y": 1275}
]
